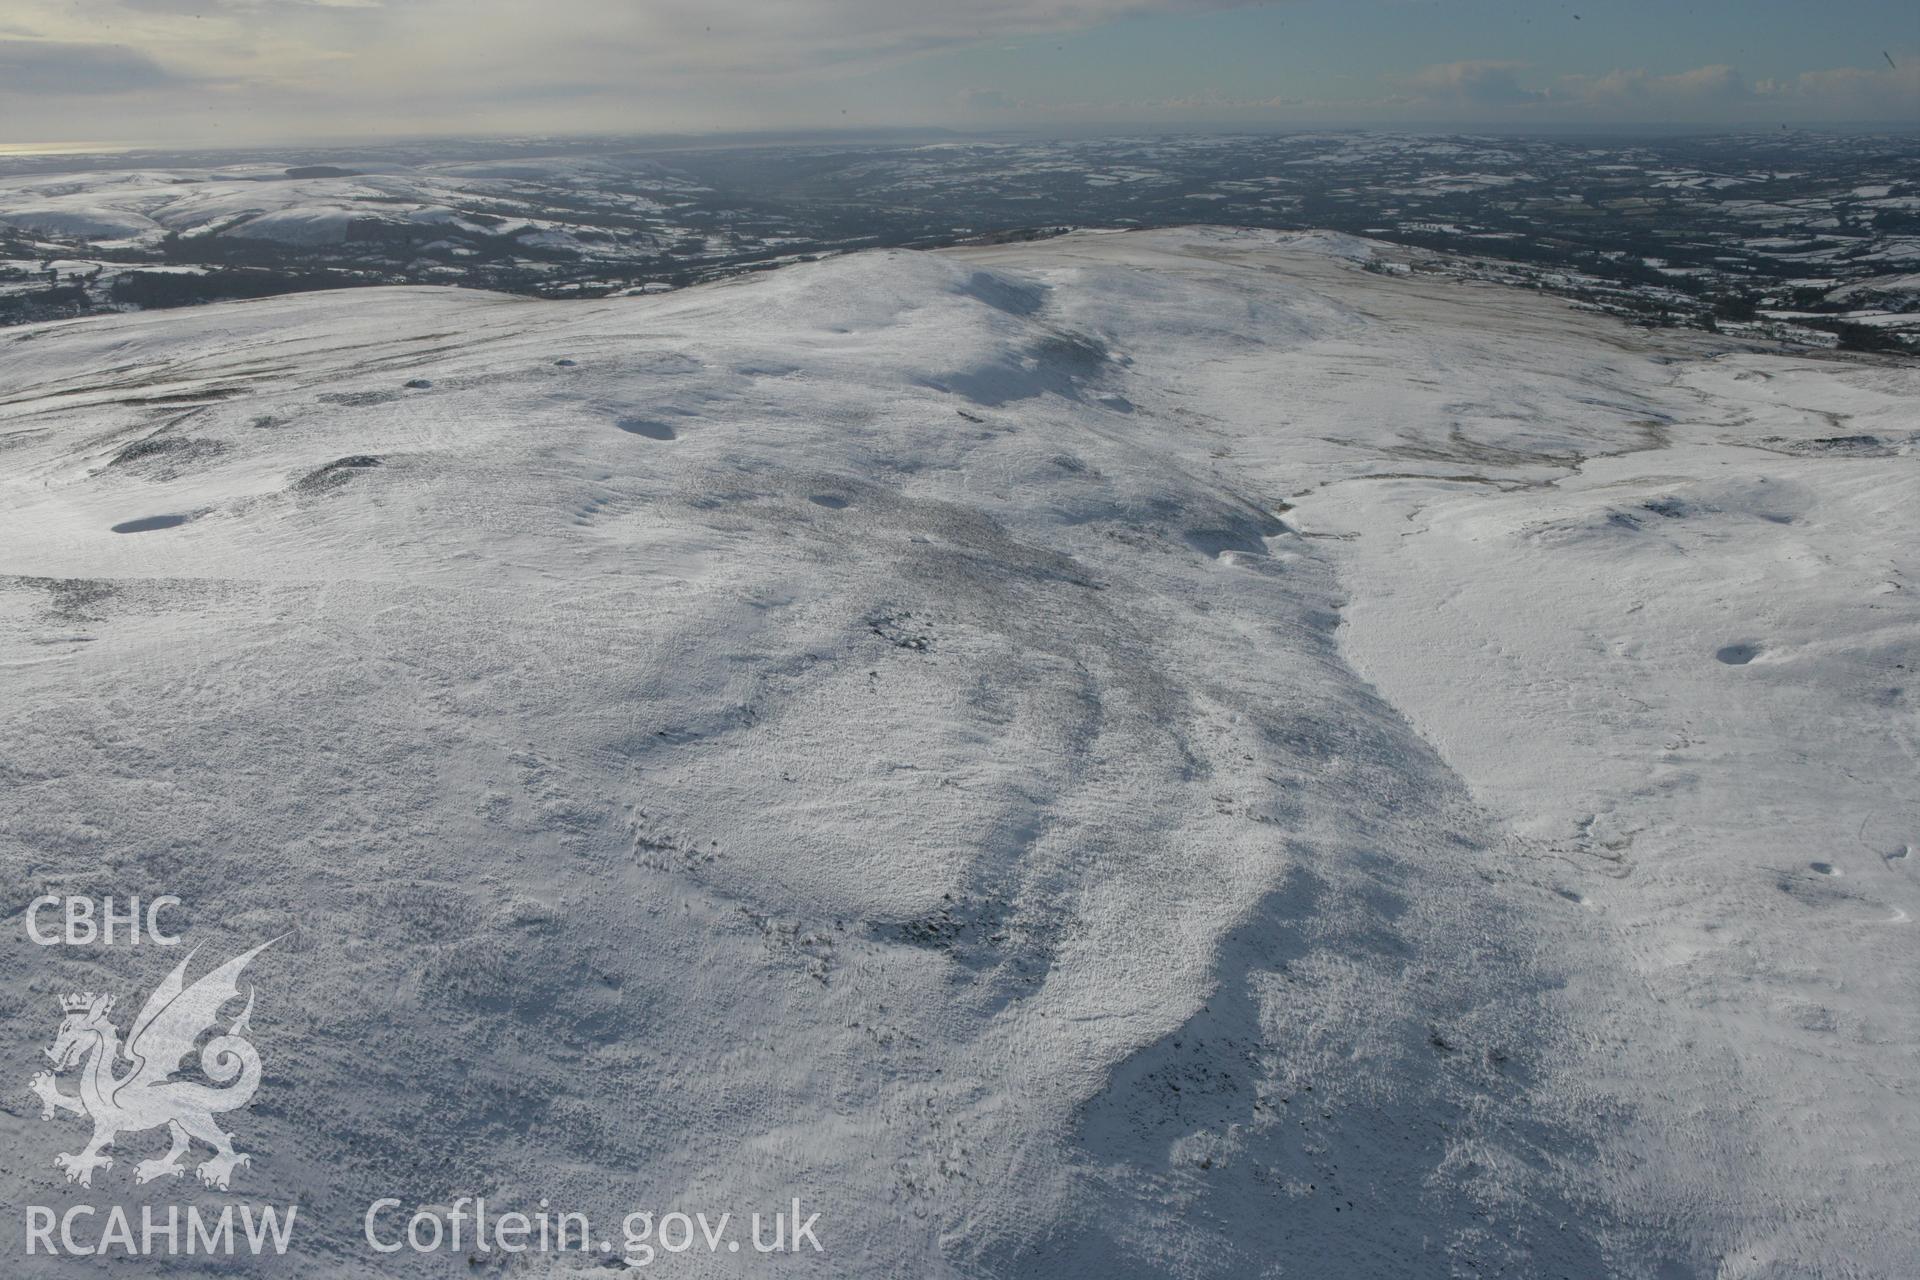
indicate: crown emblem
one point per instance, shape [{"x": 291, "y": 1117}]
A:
[{"x": 77, "y": 1003}]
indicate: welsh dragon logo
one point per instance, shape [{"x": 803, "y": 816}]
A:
[{"x": 144, "y": 1095}]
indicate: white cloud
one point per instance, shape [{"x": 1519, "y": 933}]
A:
[
  {"x": 1481, "y": 84},
  {"x": 1708, "y": 94},
  {"x": 422, "y": 65},
  {"x": 1636, "y": 94},
  {"x": 1853, "y": 93},
  {"x": 178, "y": 70},
  {"x": 1720, "y": 93}
]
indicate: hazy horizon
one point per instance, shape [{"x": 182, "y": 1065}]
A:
[{"x": 669, "y": 140}]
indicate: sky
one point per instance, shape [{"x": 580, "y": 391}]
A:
[{"x": 206, "y": 72}]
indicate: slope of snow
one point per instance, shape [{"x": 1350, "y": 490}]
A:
[
  {"x": 1130, "y": 755},
  {"x": 262, "y": 202}
]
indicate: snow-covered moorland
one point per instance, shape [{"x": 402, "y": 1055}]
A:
[{"x": 1166, "y": 754}]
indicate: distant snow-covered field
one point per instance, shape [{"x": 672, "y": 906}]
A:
[
  {"x": 1158, "y": 754},
  {"x": 300, "y": 206}
]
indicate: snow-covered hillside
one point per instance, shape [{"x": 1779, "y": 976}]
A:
[
  {"x": 308, "y": 206},
  {"x": 1164, "y": 754}
]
